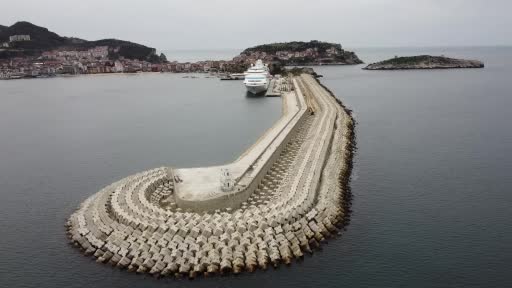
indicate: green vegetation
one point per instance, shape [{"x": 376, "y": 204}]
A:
[
  {"x": 298, "y": 53},
  {"x": 295, "y": 46},
  {"x": 424, "y": 62},
  {"x": 417, "y": 59},
  {"x": 162, "y": 57},
  {"x": 41, "y": 39}
]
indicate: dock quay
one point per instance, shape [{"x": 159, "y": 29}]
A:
[
  {"x": 278, "y": 86},
  {"x": 281, "y": 198}
]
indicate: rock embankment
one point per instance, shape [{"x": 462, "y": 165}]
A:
[
  {"x": 424, "y": 62},
  {"x": 303, "y": 199}
]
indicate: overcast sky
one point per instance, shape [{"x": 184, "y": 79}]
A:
[{"x": 218, "y": 24}]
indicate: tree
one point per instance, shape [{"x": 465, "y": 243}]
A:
[{"x": 163, "y": 58}]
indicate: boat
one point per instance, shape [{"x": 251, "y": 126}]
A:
[
  {"x": 257, "y": 78},
  {"x": 12, "y": 76},
  {"x": 237, "y": 76}
]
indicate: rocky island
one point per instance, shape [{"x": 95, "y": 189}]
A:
[{"x": 424, "y": 62}]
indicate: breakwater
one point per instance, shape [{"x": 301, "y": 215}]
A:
[{"x": 280, "y": 199}]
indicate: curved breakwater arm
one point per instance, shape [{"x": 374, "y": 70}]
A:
[
  {"x": 286, "y": 194},
  {"x": 200, "y": 189}
]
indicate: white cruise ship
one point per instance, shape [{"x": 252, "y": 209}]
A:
[{"x": 257, "y": 78}]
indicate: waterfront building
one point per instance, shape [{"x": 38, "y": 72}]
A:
[
  {"x": 70, "y": 69},
  {"x": 118, "y": 67}
]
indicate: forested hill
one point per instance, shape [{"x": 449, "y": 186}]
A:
[
  {"x": 295, "y": 46},
  {"x": 303, "y": 53},
  {"x": 41, "y": 39}
]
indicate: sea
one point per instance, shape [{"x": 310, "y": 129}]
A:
[
  {"x": 431, "y": 185},
  {"x": 183, "y": 55}
]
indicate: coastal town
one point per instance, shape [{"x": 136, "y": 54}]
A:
[
  {"x": 94, "y": 61},
  {"x": 98, "y": 59}
]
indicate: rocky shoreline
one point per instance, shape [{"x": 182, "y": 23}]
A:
[{"x": 424, "y": 62}]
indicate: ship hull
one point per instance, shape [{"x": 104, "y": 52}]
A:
[
  {"x": 257, "y": 78},
  {"x": 256, "y": 89}
]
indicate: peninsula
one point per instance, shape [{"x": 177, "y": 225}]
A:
[
  {"x": 424, "y": 62},
  {"x": 296, "y": 53}
]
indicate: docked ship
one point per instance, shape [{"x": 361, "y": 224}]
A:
[{"x": 257, "y": 78}]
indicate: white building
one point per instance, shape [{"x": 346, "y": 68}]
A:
[
  {"x": 16, "y": 38},
  {"x": 118, "y": 67},
  {"x": 99, "y": 52}
]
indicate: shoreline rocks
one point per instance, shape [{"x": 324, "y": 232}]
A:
[
  {"x": 303, "y": 200},
  {"x": 424, "y": 62}
]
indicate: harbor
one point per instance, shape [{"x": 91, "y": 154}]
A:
[
  {"x": 281, "y": 198},
  {"x": 408, "y": 190},
  {"x": 297, "y": 149}
]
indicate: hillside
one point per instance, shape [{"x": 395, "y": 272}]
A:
[
  {"x": 303, "y": 53},
  {"x": 424, "y": 62},
  {"x": 41, "y": 39},
  {"x": 295, "y": 46}
]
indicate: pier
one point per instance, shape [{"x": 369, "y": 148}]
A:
[{"x": 281, "y": 198}]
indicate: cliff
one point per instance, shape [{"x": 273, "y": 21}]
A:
[
  {"x": 303, "y": 53},
  {"x": 424, "y": 62},
  {"x": 41, "y": 39}
]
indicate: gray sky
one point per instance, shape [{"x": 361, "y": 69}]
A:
[{"x": 212, "y": 24}]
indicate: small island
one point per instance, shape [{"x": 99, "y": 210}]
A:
[{"x": 424, "y": 62}]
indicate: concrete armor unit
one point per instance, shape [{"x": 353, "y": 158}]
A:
[{"x": 283, "y": 197}]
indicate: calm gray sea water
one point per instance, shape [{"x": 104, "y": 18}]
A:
[
  {"x": 431, "y": 183},
  {"x": 201, "y": 55}
]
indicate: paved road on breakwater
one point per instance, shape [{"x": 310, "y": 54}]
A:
[{"x": 292, "y": 201}]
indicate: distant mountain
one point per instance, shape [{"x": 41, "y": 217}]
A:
[{"x": 41, "y": 39}]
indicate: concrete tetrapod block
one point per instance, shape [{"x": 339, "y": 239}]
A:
[{"x": 297, "y": 204}]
